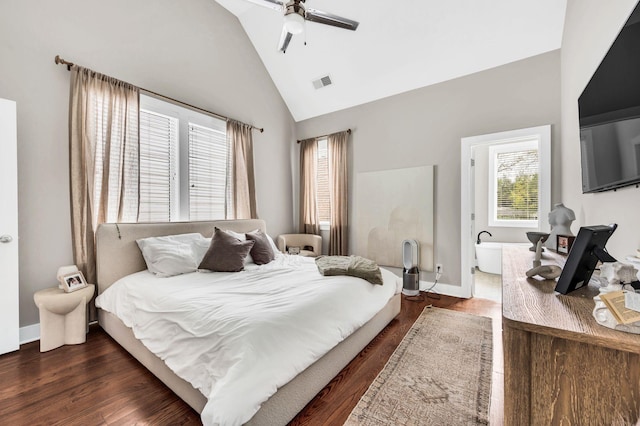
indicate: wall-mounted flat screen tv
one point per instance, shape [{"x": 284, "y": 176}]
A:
[{"x": 610, "y": 115}]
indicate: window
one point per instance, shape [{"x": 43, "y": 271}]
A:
[
  {"x": 514, "y": 170},
  {"x": 183, "y": 163},
  {"x": 322, "y": 185},
  {"x": 207, "y": 172},
  {"x": 158, "y": 167}
]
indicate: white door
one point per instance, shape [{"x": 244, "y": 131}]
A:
[
  {"x": 9, "y": 331},
  {"x": 472, "y": 212}
]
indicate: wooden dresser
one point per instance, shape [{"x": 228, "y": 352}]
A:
[{"x": 560, "y": 366}]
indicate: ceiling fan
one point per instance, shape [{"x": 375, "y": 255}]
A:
[{"x": 295, "y": 14}]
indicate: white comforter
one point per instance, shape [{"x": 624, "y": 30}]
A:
[{"x": 238, "y": 337}]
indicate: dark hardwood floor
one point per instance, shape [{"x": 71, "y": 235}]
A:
[{"x": 99, "y": 383}]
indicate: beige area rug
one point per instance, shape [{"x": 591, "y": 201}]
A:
[{"x": 440, "y": 374}]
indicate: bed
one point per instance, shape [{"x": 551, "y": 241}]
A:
[{"x": 118, "y": 256}]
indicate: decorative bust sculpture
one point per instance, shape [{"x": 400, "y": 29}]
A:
[{"x": 560, "y": 219}]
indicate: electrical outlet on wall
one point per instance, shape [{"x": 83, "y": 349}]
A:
[{"x": 439, "y": 269}]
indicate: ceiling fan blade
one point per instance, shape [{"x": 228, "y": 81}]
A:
[
  {"x": 285, "y": 39},
  {"x": 321, "y": 17},
  {"x": 271, "y": 4}
]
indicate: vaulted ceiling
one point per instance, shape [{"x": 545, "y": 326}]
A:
[{"x": 398, "y": 46}]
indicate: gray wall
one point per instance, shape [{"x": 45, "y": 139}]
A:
[
  {"x": 195, "y": 51},
  {"x": 590, "y": 28},
  {"x": 424, "y": 127}
]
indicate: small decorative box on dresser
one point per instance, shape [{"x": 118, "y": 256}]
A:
[
  {"x": 560, "y": 365},
  {"x": 63, "y": 316}
]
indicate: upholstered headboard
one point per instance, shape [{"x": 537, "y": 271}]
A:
[{"x": 118, "y": 255}]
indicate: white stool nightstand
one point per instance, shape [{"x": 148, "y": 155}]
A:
[{"x": 63, "y": 316}]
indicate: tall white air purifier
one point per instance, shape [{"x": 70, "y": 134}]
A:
[{"x": 411, "y": 270}]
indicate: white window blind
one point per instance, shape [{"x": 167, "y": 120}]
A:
[
  {"x": 158, "y": 167},
  {"x": 515, "y": 170},
  {"x": 183, "y": 163},
  {"x": 322, "y": 183},
  {"x": 207, "y": 172}
]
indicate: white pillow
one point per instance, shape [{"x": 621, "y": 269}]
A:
[
  {"x": 200, "y": 248},
  {"x": 172, "y": 254},
  {"x": 275, "y": 249},
  {"x": 241, "y": 237}
]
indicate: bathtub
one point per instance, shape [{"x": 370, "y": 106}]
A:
[{"x": 489, "y": 256}]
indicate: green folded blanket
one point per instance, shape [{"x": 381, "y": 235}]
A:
[{"x": 354, "y": 266}]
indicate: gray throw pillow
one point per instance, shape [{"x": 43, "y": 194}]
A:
[
  {"x": 261, "y": 252},
  {"x": 226, "y": 253}
]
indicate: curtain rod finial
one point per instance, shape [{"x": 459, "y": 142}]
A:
[{"x": 59, "y": 60}]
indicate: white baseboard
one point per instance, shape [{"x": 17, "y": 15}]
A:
[
  {"x": 30, "y": 333},
  {"x": 444, "y": 288}
]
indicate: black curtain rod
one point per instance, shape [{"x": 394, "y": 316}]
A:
[
  {"x": 61, "y": 61},
  {"x": 324, "y": 136}
]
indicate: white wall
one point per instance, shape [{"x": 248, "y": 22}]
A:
[
  {"x": 590, "y": 28},
  {"x": 424, "y": 127},
  {"x": 195, "y": 51}
]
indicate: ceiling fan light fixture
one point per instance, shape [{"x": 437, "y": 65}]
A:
[{"x": 294, "y": 23}]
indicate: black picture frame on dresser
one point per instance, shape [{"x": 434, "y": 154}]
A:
[{"x": 587, "y": 250}]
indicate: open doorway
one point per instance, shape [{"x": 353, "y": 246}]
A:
[{"x": 499, "y": 178}]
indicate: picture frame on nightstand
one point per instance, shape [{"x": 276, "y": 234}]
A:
[{"x": 73, "y": 281}]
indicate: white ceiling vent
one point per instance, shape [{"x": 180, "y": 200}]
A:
[{"x": 322, "y": 82}]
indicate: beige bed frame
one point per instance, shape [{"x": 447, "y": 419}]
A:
[{"x": 118, "y": 255}]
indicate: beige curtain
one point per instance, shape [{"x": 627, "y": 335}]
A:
[
  {"x": 338, "y": 182},
  {"x": 103, "y": 151},
  {"x": 241, "y": 189},
  {"x": 309, "y": 223}
]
